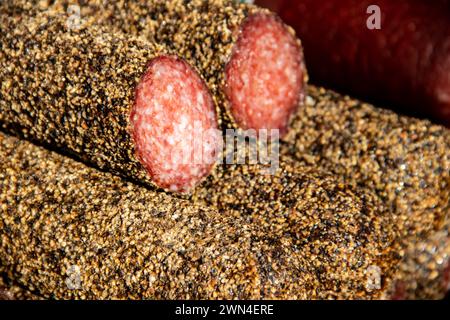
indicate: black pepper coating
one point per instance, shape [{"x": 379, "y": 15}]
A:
[
  {"x": 424, "y": 272},
  {"x": 404, "y": 160},
  {"x": 338, "y": 229},
  {"x": 250, "y": 205},
  {"x": 352, "y": 241},
  {"x": 204, "y": 32},
  {"x": 11, "y": 291},
  {"x": 61, "y": 219},
  {"x": 72, "y": 87}
]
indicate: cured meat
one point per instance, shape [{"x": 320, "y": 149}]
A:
[
  {"x": 263, "y": 79},
  {"x": 70, "y": 231},
  {"x": 98, "y": 236},
  {"x": 405, "y": 161},
  {"x": 404, "y": 64},
  {"x": 339, "y": 229},
  {"x": 425, "y": 269},
  {"x": 172, "y": 109},
  {"x": 252, "y": 62},
  {"x": 117, "y": 102}
]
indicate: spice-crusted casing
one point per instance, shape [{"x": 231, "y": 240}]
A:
[
  {"x": 64, "y": 224},
  {"x": 404, "y": 160},
  {"x": 69, "y": 231},
  {"x": 76, "y": 87},
  {"x": 206, "y": 33},
  {"x": 338, "y": 229},
  {"x": 11, "y": 291},
  {"x": 424, "y": 272}
]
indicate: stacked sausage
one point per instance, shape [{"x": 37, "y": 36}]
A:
[
  {"x": 129, "y": 87},
  {"x": 405, "y": 161},
  {"x": 140, "y": 117}
]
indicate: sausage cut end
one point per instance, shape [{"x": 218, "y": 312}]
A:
[
  {"x": 264, "y": 77},
  {"x": 174, "y": 124}
]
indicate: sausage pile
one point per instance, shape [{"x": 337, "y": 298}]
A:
[
  {"x": 111, "y": 186},
  {"x": 404, "y": 161},
  {"x": 118, "y": 80}
]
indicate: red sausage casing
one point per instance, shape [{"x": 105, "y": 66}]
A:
[{"x": 404, "y": 64}]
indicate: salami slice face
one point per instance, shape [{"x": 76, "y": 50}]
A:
[
  {"x": 174, "y": 124},
  {"x": 264, "y": 77}
]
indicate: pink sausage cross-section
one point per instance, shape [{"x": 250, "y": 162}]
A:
[
  {"x": 174, "y": 124},
  {"x": 265, "y": 75}
]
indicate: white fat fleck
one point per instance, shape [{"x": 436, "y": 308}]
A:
[
  {"x": 200, "y": 99},
  {"x": 148, "y": 111},
  {"x": 246, "y": 79},
  {"x": 171, "y": 140}
]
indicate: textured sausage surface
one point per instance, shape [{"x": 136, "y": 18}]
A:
[
  {"x": 405, "y": 64},
  {"x": 70, "y": 231},
  {"x": 343, "y": 232},
  {"x": 114, "y": 101},
  {"x": 252, "y": 62},
  {"x": 424, "y": 270},
  {"x": 405, "y": 161},
  {"x": 9, "y": 290}
]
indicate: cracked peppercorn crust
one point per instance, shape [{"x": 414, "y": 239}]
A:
[
  {"x": 322, "y": 281},
  {"x": 424, "y": 270},
  {"x": 129, "y": 242},
  {"x": 84, "y": 90},
  {"x": 61, "y": 220},
  {"x": 9, "y": 290},
  {"x": 208, "y": 34},
  {"x": 342, "y": 231},
  {"x": 404, "y": 160}
]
